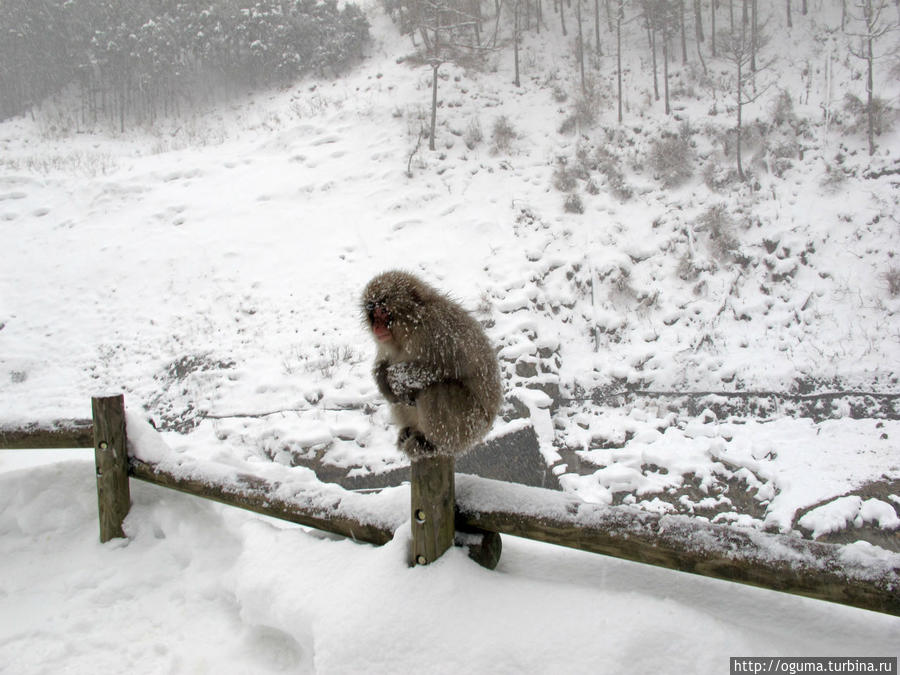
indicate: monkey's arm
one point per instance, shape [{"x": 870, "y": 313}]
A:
[
  {"x": 407, "y": 378},
  {"x": 380, "y": 373}
]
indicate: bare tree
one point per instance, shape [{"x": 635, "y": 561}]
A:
[
  {"x": 620, "y": 17},
  {"x": 579, "y": 44},
  {"x": 872, "y": 24},
  {"x": 562, "y": 17},
  {"x": 446, "y": 28},
  {"x": 664, "y": 16},
  {"x": 754, "y": 33},
  {"x": 516, "y": 37},
  {"x": 666, "y": 36},
  {"x": 738, "y": 49},
  {"x": 650, "y": 23},
  {"x": 698, "y": 20}
]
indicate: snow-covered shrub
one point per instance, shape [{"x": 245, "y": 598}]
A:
[
  {"x": 573, "y": 203},
  {"x": 484, "y": 310},
  {"x": 688, "y": 269},
  {"x": 781, "y": 155},
  {"x": 782, "y": 139},
  {"x": 473, "y": 134},
  {"x": 417, "y": 121},
  {"x": 719, "y": 227},
  {"x": 553, "y": 82},
  {"x": 568, "y": 172},
  {"x": 607, "y": 163},
  {"x": 502, "y": 134},
  {"x": 672, "y": 160},
  {"x": 583, "y": 115},
  {"x": 81, "y": 163},
  {"x": 833, "y": 179},
  {"x": 564, "y": 176},
  {"x": 783, "y": 109},
  {"x": 718, "y": 177},
  {"x": 855, "y": 111},
  {"x": 835, "y": 174},
  {"x": 559, "y": 93},
  {"x": 590, "y": 160},
  {"x": 618, "y": 280},
  {"x": 892, "y": 278}
]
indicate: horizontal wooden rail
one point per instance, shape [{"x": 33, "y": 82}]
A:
[
  {"x": 59, "y": 434},
  {"x": 257, "y": 495},
  {"x": 777, "y": 562}
]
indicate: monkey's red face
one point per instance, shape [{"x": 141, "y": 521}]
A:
[{"x": 380, "y": 319}]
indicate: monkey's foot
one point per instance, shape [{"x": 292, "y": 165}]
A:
[{"x": 414, "y": 444}]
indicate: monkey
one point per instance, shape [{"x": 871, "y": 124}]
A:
[{"x": 434, "y": 365}]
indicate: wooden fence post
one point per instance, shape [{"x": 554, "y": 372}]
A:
[
  {"x": 433, "y": 502},
  {"x": 111, "y": 460}
]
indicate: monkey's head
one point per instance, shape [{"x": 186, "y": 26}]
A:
[{"x": 392, "y": 304}]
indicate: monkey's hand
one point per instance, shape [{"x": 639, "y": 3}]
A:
[
  {"x": 406, "y": 379},
  {"x": 414, "y": 444},
  {"x": 380, "y": 373}
]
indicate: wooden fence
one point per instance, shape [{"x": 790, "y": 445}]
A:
[{"x": 443, "y": 504}]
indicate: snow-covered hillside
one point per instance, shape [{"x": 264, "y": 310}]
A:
[{"x": 669, "y": 346}]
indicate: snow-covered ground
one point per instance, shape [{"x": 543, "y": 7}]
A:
[
  {"x": 200, "y": 587},
  {"x": 210, "y": 268}
]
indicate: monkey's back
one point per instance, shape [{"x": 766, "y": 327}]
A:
[{"x": 459, "y": 348}]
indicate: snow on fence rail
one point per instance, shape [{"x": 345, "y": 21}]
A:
[
  {"x": 443, "y": 503},
  {"x": 59, "y": 434}
]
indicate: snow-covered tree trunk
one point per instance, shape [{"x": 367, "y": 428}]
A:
[
  {"x": 579, "y": 44},
  {"x": 516, "y": 81},
  {"x": 619, "y": 14},
  {"x": 434, "y": 101},
  {"x": 666, "y": 72},
  {"x": 740, "y": 108},
  {"x": 870, "y": 108}
]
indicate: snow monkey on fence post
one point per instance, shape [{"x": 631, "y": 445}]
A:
[{"x": 439, "y": 372}]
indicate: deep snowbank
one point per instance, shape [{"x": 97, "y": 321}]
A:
[{"x": 200, "y": 587}]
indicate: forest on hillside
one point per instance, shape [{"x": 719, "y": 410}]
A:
[
  {"x": 137, "y": 61},
  {"x": 731, "y": 47}
]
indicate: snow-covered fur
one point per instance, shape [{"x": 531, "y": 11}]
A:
[{"x": 436, "y": 367}]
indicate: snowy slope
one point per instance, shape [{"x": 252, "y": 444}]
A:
[{"x": 210, "y": 268}]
